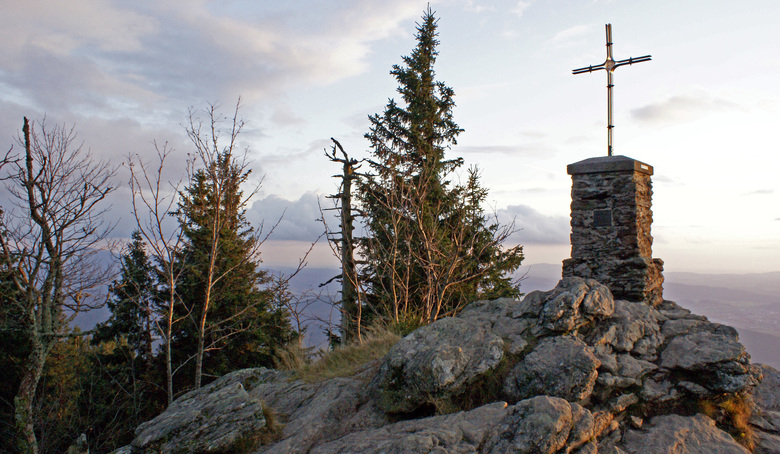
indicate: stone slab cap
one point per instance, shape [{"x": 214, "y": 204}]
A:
[{"x": 605, "y": 164}]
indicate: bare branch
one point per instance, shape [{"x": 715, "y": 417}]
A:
[{"x": 50, "y": 240}]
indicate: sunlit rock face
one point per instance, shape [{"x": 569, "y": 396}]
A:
[{"x": 568, "y": 370}]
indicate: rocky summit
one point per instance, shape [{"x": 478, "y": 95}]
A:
[{"x": 571, "y": 370}]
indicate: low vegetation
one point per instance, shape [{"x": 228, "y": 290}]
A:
[
  {"x": 732, "y": 413},
  {"x": 343, "y": 361}
]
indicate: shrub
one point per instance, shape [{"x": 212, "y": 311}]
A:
[{"x": 732, "y": 413}]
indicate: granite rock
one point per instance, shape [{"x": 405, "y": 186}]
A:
[
  {"x": 675, "y": 434},
  {"x": 561, "y": 366},
  {"x": 581, "y": 372},
  {"x": 436, "y": 361},
  {"x": 211, "y": 419}
]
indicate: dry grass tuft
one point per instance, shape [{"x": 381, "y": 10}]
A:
[
  {"x": 273, "y": 427},
  {"x": 271, "y": 433},
  {"x": 347, "y": 360},
  {"x": 293, "y": 357},
  {"x": 732, "y": 413}
]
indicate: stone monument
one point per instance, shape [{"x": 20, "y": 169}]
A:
[
  {"x": 611, "y": 218},
  {"x": 611, "y": 214}
]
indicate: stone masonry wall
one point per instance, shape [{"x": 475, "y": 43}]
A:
[{"x": 616, "y": 253}]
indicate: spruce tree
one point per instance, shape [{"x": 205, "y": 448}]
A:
[
  {"x": 222, "y": 285},
  {"x": 125, "y": 351},
  {"x": 132, "y": 303},
  {"x": 429, "y": 248}
]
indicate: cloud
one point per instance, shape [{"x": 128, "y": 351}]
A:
[
  {"x": 534, "y": 134},
  {"x": 285, "y": 156},
  {"x": 62, "y": 27},
  {"x": 520, "y": 7},
  {"x": 683, "y": 108},
  {"x": 299, "y": 218},
  {"x": 665, "y": 179},
  {"x": 94, "y": 55},
  {"x": 530, "y": 149},
  {"x": 284, "y": 116},
  {"x": 535, "y": 227},
  {"x": 577, "y": 140},
  {"x": 473, "y": 7}
]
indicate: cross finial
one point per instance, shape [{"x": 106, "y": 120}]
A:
[{"x": 610, "y": 65}]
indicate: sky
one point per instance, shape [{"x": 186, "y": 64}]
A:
[{"x": 704, "y": 111}]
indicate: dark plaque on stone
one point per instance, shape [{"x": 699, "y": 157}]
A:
[{"x": 602, "y": 218}]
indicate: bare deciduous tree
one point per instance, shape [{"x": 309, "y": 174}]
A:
[
  {"x": 153, "y": 203},
  {"x": 459, "y": 250},
  {"x": 49, "y": 244},
  {"x": 223, "y": 167}
]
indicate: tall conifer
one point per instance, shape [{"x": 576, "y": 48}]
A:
[
  {"x": 429, "y": 247},
  {"x": 132, "y": 304},
  {"x": 243, "y": 327},
  {"x": 125, "y": 355}
]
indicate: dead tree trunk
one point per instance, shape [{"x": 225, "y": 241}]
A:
[{"x": 350, "y": 293}]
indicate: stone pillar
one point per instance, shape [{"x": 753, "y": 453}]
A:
[{"x": 610, "y": 228}]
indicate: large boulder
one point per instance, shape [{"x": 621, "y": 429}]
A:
[
  {"x": 710, "y": 355},
  {"x": 766, "y": 415},
  {"x": 587, "y": 374},
  {"x": 767, "y": 394},
  {"x": 213, "y": 419},
  {"x": 573, "y": 303},
  {"x": 561, "y": 366},
  {"x": 333, "y": 409},
  {"x": 508, "y": 318},
  {"x": 434, "y": 362},
  {"x": 542, "y": 425},
  {"x": 462, "y": 432},
  {"x": 631, "y": 328},
  {"x": 217, "y": 418}
]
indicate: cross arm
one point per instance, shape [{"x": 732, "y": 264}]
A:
[
  {"x": 632, "y": 60},
  {"x": 587, "y": 69}
]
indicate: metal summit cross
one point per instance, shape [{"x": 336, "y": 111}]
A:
[{"x": 610, "y": 65}]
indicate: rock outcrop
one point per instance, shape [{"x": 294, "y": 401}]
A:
[
  {"x": 571, "y": 370},
  {"x": 766, "y": 416}
]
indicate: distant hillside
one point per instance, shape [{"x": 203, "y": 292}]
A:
[{"x": 758, "y": 283}]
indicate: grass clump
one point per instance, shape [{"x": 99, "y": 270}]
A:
[
  {"x": 293, "y": 357},
  {"x": 273, "y": 427},
  {"x": 732, "y": 413},
  {"x": 347, "y": 360}
]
